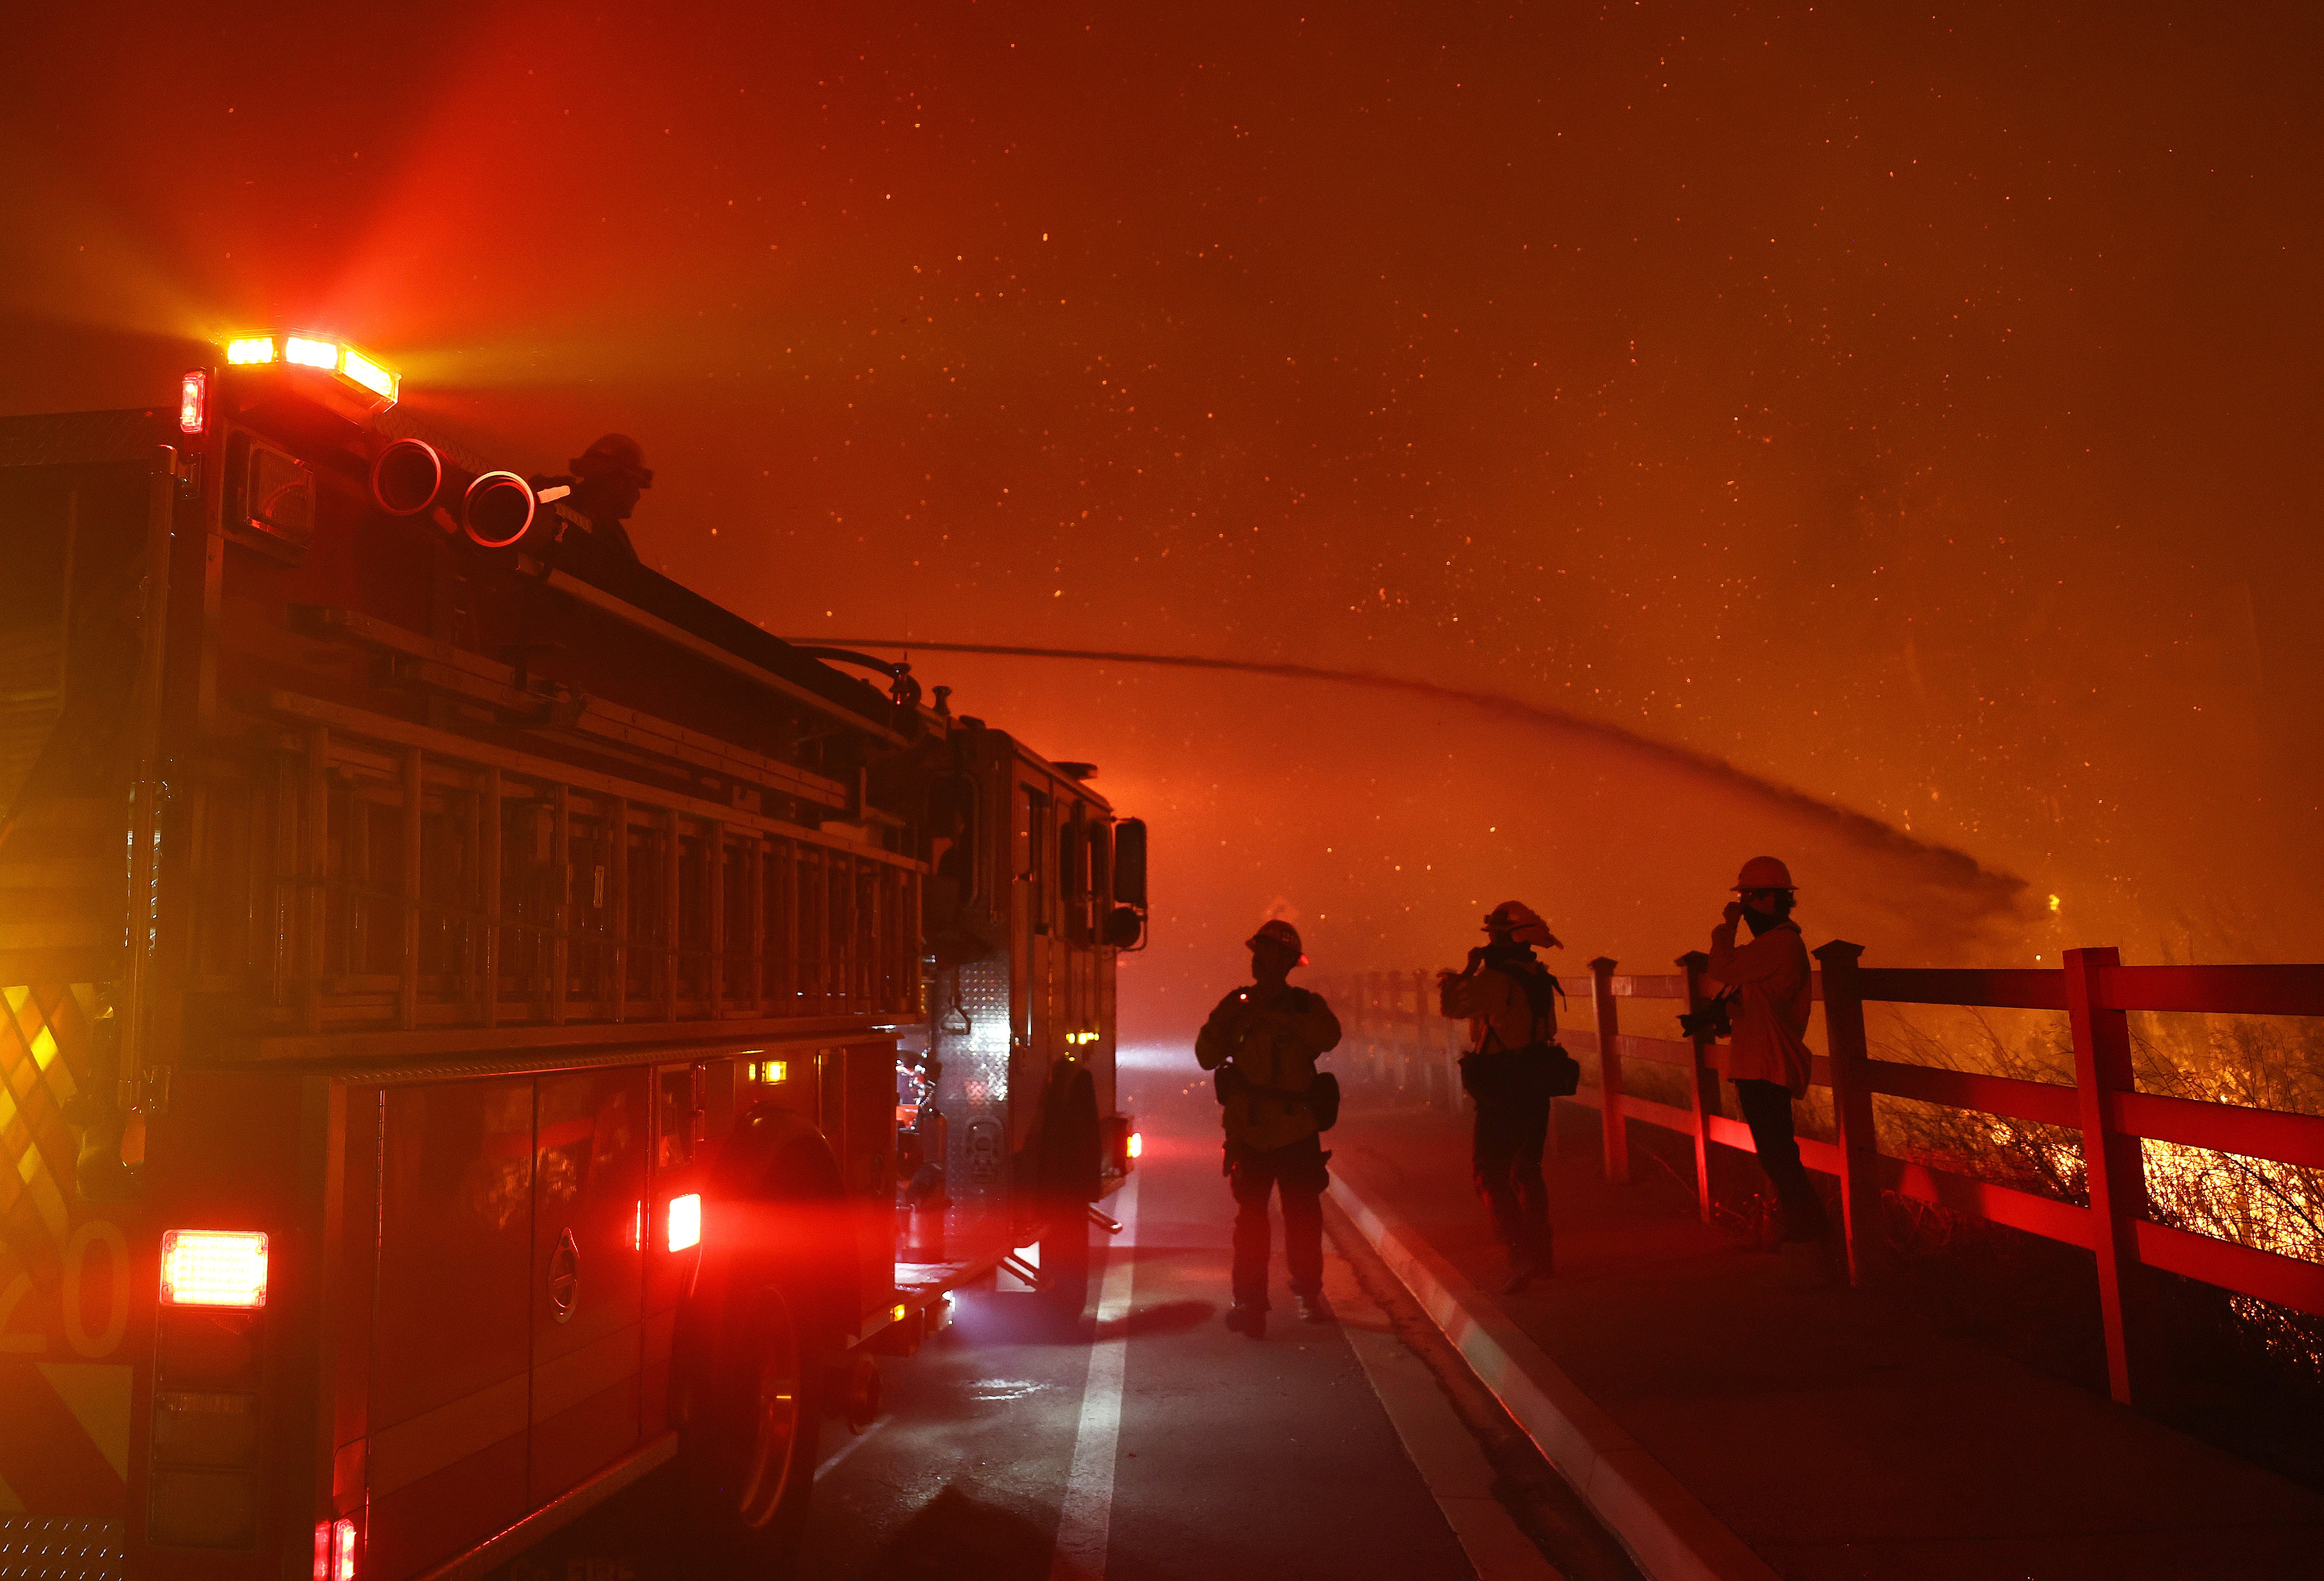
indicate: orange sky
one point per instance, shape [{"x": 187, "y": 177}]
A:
[{"x": 1913, "y": 411}]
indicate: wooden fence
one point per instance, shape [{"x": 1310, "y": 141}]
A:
[{"x": 1395, "y": 1035}]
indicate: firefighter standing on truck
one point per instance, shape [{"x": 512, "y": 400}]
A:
[
  {"x": 606, "y": 480},
  {"x": 1769, "y": 990},
  {"x": 1508, "y": 998},
  {"x": 1262, "y": 1043}
]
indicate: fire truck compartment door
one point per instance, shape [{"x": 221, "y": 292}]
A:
[
  {"x": 590, "y": 1220},
  {"x": 451, "y": 1343}
]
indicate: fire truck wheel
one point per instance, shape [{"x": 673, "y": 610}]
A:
[
  {"x": 1065, "y": 1259},
  {"x": 1071, "y": 1161},
  {"x": 750, "y": 1442},
  {"x": 766, "y": 1313}
]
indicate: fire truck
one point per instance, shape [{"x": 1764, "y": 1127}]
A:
[{"x": 486, "y": 1026}]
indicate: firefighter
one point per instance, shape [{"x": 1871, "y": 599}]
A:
[
  {"x": 1768, "y": 991},
  {"x": 1508, "y": 998},
  {"x": 607, "y": 478},
  {"x": 1262, "y": 1043}
]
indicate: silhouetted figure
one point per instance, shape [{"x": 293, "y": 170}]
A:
[
  {"x": 1512, "y": 1070},
  {"x": 1263, "y": 1041},
  {"x": 1767, "y": 1060},
  {"x": 607, "y": 478}
]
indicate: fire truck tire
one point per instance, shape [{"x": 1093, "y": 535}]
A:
[
  {"x": 1072, "y": 1145},
  {"x": 759, "y": 1332}
]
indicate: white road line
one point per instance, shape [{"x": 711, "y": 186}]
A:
[
  {"x": 1440, "y": 1444},
  {"x": 855, "y": 1441},
  {"x": 1086, "y": 1520}
]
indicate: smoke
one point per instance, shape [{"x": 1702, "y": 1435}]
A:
[{"x": 1980, "y": 893}]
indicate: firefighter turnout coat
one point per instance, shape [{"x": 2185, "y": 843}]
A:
[
  {"x": 1773, "y": 991},
  {"x": 1273, "y": 1044}
]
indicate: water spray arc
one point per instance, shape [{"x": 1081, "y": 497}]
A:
[{"x": 1987, "y": 891}]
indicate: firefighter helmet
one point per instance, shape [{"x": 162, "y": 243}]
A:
[
  {"x": 1521, "y": 923},
  {"x": 615, "y": 452},
  {"x": 1275, "y": 930},
  {"x": 1763, "y": 873}
]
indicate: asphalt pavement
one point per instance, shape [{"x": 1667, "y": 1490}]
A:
[{"x": 1147, "y": 1442}]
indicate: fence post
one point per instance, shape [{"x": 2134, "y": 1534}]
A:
[
  {"x": 1453, "y": 1036},
  {"x": 1701, "y": 1095},
  {"x": 1609, "y": 1070},
  {"x": 1424, "y": 1071},
  {"x": 1406, "y": 1053},
  {"x": 1851, "y": 1107},
  {"x": 1551, "y": 1146},
  {"x": 2113, "y": 1168},
  {"x": 1372, "y": 1028}
]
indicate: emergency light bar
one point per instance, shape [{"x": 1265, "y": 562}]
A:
[{"x": 378, "y": 383}]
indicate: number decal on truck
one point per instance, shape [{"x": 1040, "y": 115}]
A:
[
  {"x": 10, "y": 1300},
  {"x": 103, "y": 1232},
  {"x": 92, "y": 1236}
]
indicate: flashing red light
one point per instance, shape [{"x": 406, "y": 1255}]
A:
[
  {"x": 685, "y": 1221},
  {"x": 214, "y": 1268},
  {"x": 194, "y": 402},
  {"x": 1137, "y": 1144},
  {"x": 334, "y": 1551}
]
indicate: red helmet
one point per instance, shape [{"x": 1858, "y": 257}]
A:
[{"x": 1763, "y": 873}]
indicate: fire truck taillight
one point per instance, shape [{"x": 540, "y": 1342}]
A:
[
  {"x": 1137, "y": 1144},
  {"x": 685, "y": 1221},
  {"x": 334, "y": 1551},
  {"x": 214, "y": 1268},
  {"x": 194, "y": 402}
]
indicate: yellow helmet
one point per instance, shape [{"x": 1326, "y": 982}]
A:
[
  {"x": 1521, "y": 923},
  {"x": 1765, "y": 873}
]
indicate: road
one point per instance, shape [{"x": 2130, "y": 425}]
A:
[{"x": 1149, "y": 1443}]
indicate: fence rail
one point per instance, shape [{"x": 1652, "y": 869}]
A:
[{"x": 1394, "y": 1030}]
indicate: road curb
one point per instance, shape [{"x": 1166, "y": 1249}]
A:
[{"x": 1669, "y": 1531}]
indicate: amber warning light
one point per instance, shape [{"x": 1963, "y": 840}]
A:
[
  {"x": 372, "y": 380},
  {"x": 214, "y": 1268}
]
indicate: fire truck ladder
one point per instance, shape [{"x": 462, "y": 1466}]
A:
[{"x": 386, "y": 877}]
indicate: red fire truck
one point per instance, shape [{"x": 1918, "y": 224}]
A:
[{"x": 485, "y": 1025}]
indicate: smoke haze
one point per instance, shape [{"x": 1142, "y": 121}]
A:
[{"x": 1907, "y": 410}]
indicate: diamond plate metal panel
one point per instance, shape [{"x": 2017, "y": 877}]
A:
[
  {"x": 975, "y": 1091},
  {"x": 37, "y": 1547},
  {"x": 80, "y": 438}
]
